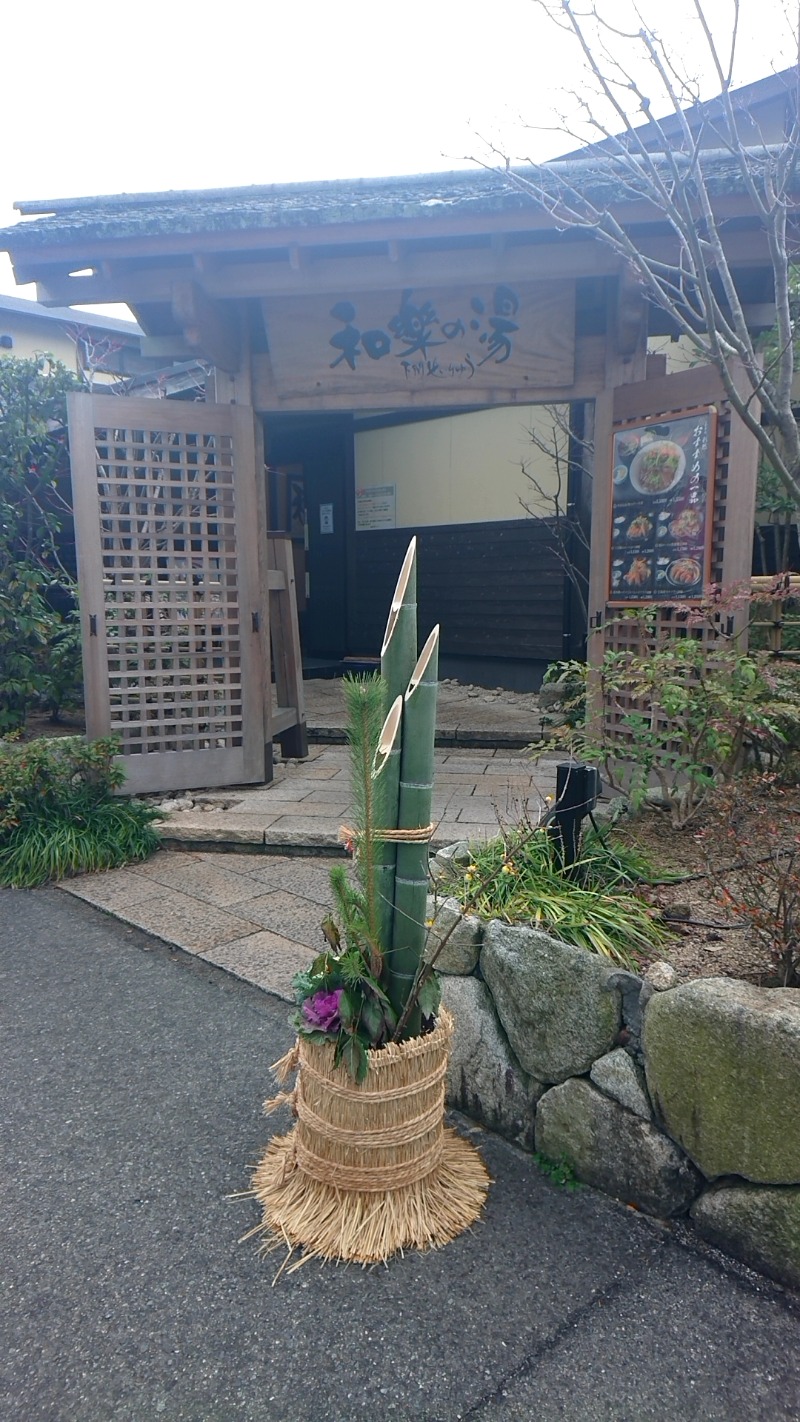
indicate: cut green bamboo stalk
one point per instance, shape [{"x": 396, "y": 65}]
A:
[
  {"x": 416, "y": 795},
  {"x": 399, "y": 650},
  {"x": 386, "y": 776},
  {"x": 363, "y": 696}
]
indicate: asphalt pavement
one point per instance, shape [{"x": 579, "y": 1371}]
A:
[{"x": 133, "y": 1076}]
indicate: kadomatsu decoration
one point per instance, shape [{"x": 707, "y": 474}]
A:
[{"x": 369, "y": 1167}]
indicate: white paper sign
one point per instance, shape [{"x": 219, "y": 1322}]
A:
[{"x": 376, "y": 506}]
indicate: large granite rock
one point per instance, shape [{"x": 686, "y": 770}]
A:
[
  {"x": 723, "y": 1070},
  {"x": 613, "y": 1150},
  {"x": 760, "y": 1224},
  {"x": 462, "y": 931},
  {"x": 621, "y": 1078},
  {"x": 552, "y": 999},
  {"x": 484, "y": 1078}
]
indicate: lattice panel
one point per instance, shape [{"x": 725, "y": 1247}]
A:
[{"x": 170, "y": 587}]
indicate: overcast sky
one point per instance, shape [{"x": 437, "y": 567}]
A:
[{"x": 104, "y": 98}]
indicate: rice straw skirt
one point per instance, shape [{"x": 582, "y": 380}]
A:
[{"x": 368, "y": 1170}]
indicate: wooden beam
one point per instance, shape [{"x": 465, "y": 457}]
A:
[
  {"x": 166, "y": 348},
  {"x": 211, "y": 330},
  {"x": 333, "y": 275},
  {"x": 630, "y": 312},
  {"x": 403, "y": 265}
]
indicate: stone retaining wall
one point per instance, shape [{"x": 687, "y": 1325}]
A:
[{"x": 683, "y": 1101}]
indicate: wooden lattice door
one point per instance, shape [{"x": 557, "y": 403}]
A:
[{"x": 172, "y": 577}]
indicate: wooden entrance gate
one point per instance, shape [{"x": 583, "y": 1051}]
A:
[{"x": 172, "y": 558}]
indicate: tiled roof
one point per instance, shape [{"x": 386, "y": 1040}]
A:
[
  {"x": 306, "y": 205},
  {"x": 289, "y": 205}
]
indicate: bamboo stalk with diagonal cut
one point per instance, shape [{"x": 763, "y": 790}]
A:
[
  {"x": 386, "y": 776},
  {"x": 399, "y": 650},
  {"x": 416, "y": 793}
]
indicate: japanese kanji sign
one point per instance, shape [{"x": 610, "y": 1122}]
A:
[{"x": 459, "y": 339}]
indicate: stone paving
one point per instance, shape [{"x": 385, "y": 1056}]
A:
[
  {"x": 308, "y": 801},
  {"x": 243, "y": 881},
  {"x": 257, "y": 917},
  {"x": 257, "y": 912},
  {"x": 466, "y": 715}
]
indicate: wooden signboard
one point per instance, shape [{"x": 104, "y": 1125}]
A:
[
  {"x": 662, "y": 483},
  {"x": 461, "y": 342}
]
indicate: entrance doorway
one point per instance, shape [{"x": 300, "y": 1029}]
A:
[{"x": 310, "y": 464}]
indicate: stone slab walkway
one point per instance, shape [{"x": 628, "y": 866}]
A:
[
  {"x": 257, "y": 917},
  {"x": 309, "y": 800}
]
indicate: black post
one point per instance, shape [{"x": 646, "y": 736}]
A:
[{"x": 577, "y": 789}]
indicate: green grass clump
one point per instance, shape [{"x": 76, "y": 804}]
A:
[
  {"x": 58, "y": 813},
  {"x": 519, "y": 878}
]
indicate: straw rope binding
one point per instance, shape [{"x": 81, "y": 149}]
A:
[
  {"x": 390, "y": 836},
  {"x": 369, "y": 1169}
]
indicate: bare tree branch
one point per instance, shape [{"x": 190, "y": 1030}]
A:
[{"x": 681, "y": 166}]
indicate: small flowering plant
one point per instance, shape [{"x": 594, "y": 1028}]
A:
[{"x": 339, "y": 997}]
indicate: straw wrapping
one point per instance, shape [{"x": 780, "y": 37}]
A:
[{"x": 370, "y": 1168}]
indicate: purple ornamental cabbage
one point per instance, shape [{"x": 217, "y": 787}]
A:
[{"x": 322, "y": 1011}]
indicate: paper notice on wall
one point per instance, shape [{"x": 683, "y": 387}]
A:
[{"x": 376, "y": 507}]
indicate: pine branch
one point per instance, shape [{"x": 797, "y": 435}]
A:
[{"x": 364, "y": 697}]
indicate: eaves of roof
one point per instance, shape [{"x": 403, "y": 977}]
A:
[{"x": 432, "y": 197}]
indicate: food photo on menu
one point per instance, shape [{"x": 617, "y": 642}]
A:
[{"x": 661, "y": 483}]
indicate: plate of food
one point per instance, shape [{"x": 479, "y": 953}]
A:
[
  {"x": 684, "y": 573},
  {"x": 638, "y": 573},
  {"x": 639, "y": 527},
  {"x": 687, "y": 524},
  {"x": 657, "y": 467}
]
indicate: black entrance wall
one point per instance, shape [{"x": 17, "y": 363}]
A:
[
  {"x": 323, "y": 446},
  {"x": 497, "y": 589}
]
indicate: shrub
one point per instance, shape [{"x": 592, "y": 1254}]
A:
[
  {"x": 682, "y": 717},
  {"x": 58, "y": 813},
  {"x": 750, "y": 847},
  {"x": 33, "y": 471},
  {"x": 519, "y": 877},
  {"x": 570, "y": 678},
  {"x": 61, "y": 671}
]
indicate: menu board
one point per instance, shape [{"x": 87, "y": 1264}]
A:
[{"x": 661, "y": 509}]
